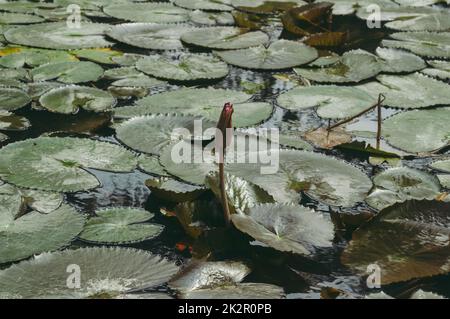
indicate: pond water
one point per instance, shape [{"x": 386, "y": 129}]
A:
[{"x": 300, "y": 277}]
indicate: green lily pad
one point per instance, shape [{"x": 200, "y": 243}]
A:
[
  {"x": 58, "y": 164},
  {"x": 123, "y": 270},
  {"x": 238, "y": 291},
  {"x": 439, "y": 21},
  {"x": 396, "y": 13},
  {"x": 148, "y": 12},
  {"x": 354, "y": 66},
  {"x": 334, "y": 102},
  {"x": 58, "y": 35},
  {"x": 102, "y": 55},
  {"x": 211, "y": 18},
  {"x": 68, "y": 72},
  {"x": 205, "y": 102},
  {"x": 150, "y": 134},
  {"x": 151, "y": 165},
  {"x": 120, "y": 226},
  {"x": 24, "y": 6},
  {"x": 443, "y": 166},
  {"x": 410, "y": 91},
  {"x": 444, "y": 180},
  {"x": 22, "y": 57},
  {"x": 69, "y": 99},
  {"x": 13, "y": 99},
  {"x": 289, "y": 228},
  {"x": 212, "y": 5},
  {"x": 399, "y": 184},
  {"x": 228, "y": 38},
  {"x": 150, "y": 35},
  {"x": 11, "y": 122},
  {"x": 172, "y": 190},
  {"x": 35, "y": 233},
  {"x": 131, "y": 77},
  {"x": 429, "y": 44},
  {"x": 188, "y": 67},
  {"x": 37, "y": 89},
  {"x": 418, "y": 131},
  {"x": 407, "y": 241},
  {"x": 398, "y": 61},
  {"x": 281, "y": 54},
  {"x": 19, "y": 18}
]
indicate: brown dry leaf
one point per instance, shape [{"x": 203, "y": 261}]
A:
[
  {"x": 326, "y": 39},
  {"x": 328, "y": 139}
]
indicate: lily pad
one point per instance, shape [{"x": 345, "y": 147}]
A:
[
  {"x": 188, "y": 67},
  {"x": 407, "y": 241},
  {"x": 101, "y": 55},
  {"x": 13, "y": 99},
  {"x": 123, "y": 270},
  {"x": 148, "y": 12},
  {"x": 410, "y": 91},
  {"x": 19, "y": 18},
  {"x": 227, "y": 38},
  {"x": 211, "y": 18},
  {"x": 427, "y": 44},
  {"x": 11, "y": 122},
  {"x": 439, "y": 21},
  {"x": 398, "y": 61},
  {"x": 19, "y": 57},
  {"x": 58, "y": 35},
  {"x": 238, "y": 291},
  {"x": 172, "y": 190},
  {"x": 120, "y": 226},
  {"x": 211, "y": 5},
  {"x": 281, "y": 54},
  {"x": 150, "y": 35},
  {"x": 419, "y": 130},
  {"x": 35, "y": 233},
  {"x": 334, "y": 102},
  {"x": 58, "y": 164},
  {"x": 150, "y": 134},
  {"x": 443, "y": 166},
  {"x": 205, "y": 102},
  {"x": 69, "y": 99},
  {"x": 397, "y": 185},
  {"x": 68, "y": 72},
  {"x": 151, "y": 165},
  {"x": 354, "y": 66},
  {"x": 289, "y": 228}
]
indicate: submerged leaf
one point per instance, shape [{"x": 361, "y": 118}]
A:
[{"x": 11, "y": 122}]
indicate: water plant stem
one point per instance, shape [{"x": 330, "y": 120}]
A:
[{"x": 223, "y": 194}]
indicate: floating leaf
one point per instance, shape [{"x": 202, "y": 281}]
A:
[
  {"x": 443, "y": 166},
  {"x": 407, "y": 241},
  {"x": 3, "y": 137},
  {"x": 24, "y": 6},
  {"x": 123, "y": 270},
  {"x": 148, "y": 12},
  {"x": 418, "y": 131},
  {"x": 206, "y": 102},
  {"x": 33, "y": 57},
  {"x": 174, "y": 191},
  {"x": 397, "y": 185},
  {"x": 199, "y": 275},
  {"x": 35, "y": 233},
  {"x": 324, "y": 138},
  {"x": 288, "y": 228},
  {"x": 150, "y": 35},
  {"x": 397, "y": 61},
  {"x": 11, "y": 122},
  {"x": 212, "y": 5},
  {"x": 151, "y": 165},
  {"x": 120, "y": 226},
  {"x": 211, "y": 19},
  {"x": 281, "y": 54},
  {"x": 238, "y": 291},
  {"x": 427, "y": 44},
  {"x": 69, "y": 99},
  {"x": 354, "y": 66},
  {"x": 326, "y": 39},
  {"x": 59, "y": 35},
  {"x": 57, "y": 164},
  {"x": 444, "y": 180},
  {"x": 409, "y": 91},
  {"x": 13, "y": 99},
  {"x": 188, "y": 67},
  {"x": 430, "y": 22},
  {"x": 68, "y": 72},
  {"x": 335, "y": 102},
  {"x": 224, "y": 38},
  {"x": 102, "y": 55},
  {"x": 19, "y": 18},
  {"x": 150, "y": 134},
  {"x": 398, "y": 13}
]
